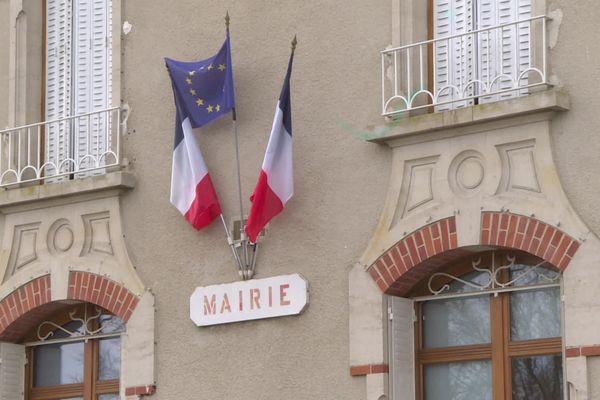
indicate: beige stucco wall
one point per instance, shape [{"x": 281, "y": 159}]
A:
[
  {"x": 575, "y": 134},
  {"x": 4, "y": 7},
  {"x": 33, "y": 74},
  {"x": 340, "y": 186}
]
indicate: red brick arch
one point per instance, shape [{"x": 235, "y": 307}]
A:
[
  {"x": 22, "y": 309},
  {"x": 528, "y": 234},
  {"x": 104, "y": 292},
  {"x": 422, "y": 252}
]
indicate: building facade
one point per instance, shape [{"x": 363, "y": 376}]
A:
[{"x": 446, "y": 177}]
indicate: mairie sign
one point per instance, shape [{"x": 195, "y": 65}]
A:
[{"x": 247, "y": 300}]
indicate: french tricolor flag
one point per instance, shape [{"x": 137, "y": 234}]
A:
[
  {"x": 192, "y": 191},
  {"x": 275, "y": 183}
]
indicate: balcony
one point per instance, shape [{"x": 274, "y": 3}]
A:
[
  {"x": 461, "y": 70},
  {"x": 61, "y": 149}
]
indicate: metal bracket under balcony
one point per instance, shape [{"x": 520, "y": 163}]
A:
[{"x": 458, "y": 71}]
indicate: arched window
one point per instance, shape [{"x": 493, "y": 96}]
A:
[
  {"x": 75, "y": 355},
  {"x": 489, "y": 327}
]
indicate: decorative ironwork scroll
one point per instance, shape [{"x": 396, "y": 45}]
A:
[
  {"x": 493, "y": 274},
  {"x": 85, "y": 329}
]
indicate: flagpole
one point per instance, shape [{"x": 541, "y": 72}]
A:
[
  {"x": 253, "y": 262},
  {"x": 232, "y": 245},
  {"x": 243, "y": 237}
]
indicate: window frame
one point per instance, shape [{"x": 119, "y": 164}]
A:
[
  {"x": 499, "y": 351},
  {"x": 91, "y": 387}
]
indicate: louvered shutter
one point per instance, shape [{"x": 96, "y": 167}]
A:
[
  {"x": 454, "y": 59},
  {"x": 504, "y": 51},
  {"x": 402, "y": 352},
  {"x": 12, "y": 371},
  {"x": 91, "y": 80},
  {"x": 58, "y": 82}
]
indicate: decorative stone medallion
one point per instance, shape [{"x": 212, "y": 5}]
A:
[
  {"x": 60, "y": 236},
  {"x": 466, "y": 173}
]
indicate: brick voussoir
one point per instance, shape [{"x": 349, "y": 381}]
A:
[
  {"x": 531, "y": 235},
  {"x": 414, "y": 250}
]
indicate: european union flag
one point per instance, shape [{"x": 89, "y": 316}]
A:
[{"x": 204, "y": 89}]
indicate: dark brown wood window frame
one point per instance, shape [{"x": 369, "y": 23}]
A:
[
  {"x": 499, "y": 351},
  {"x": 91, "y": 387}
]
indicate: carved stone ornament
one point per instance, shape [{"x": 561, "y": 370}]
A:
[
  {"x": 23, "y": 249},
  {"x": 60, "y": 236}
]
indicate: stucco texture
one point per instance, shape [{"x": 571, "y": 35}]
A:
[
  {"x": 4, "y": 52},
  {"x": 340, "y": 184},
  {"x": 576, "y": 147}
]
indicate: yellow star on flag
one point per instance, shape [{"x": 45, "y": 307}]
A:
[
  {"x": 221, "y": 67},
  {"x": 218, "y": 108},
  {"x": 192, "y": 73},
  {"x": 210, "y": 67},
  {"x": 209, "y": 109},
  {"x": 192, "y": 92},
  {"x": 189, "y": 81},
  {"x": 200, "y": 102}
]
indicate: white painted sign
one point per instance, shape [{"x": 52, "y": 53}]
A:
[{"x": 247, "y": 300}]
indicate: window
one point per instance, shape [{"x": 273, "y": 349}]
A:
[
  {"x": 78, "y": 76},
  {"x": 489, "y": 51},
  {"x": 489, "y": 328},
  {"x": 63, "y": 122},
  {"x": 76, "y": 355},
  {"x": 463, "y": 52}
]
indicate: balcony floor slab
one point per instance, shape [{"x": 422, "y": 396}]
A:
[
  {"x": 38, "y": 196},
  {"x": 551, "y": 100}
]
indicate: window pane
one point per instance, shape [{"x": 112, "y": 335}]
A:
[
  {"x": 535, "y": 314},
  {"x": 108, "y": 397},
  {"x": 457, "y": 322},
  {"x": 110, "y": 359},
  {"x": 537, "y": 378},
  {"x": 58, "y": 364},
  {"x": 524, "y": 275},
  {"x": 111, "y": 324},
  {"x": 458, "y": 381}
]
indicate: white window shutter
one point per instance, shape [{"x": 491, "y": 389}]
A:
[
  {"x": 524, "y": 36},
  {"x": 504, "y": 52},
  {"x": 58, "y": 82},
  {"x": 454, "y": 59},
  {"x": 78, "y": 76},
  {"x": 402, "y": 351},
  {"x": 92, "y": 80},
  {"x": 12, "y": 371}
]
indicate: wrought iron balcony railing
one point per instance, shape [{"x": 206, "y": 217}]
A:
[
  {"x": 61, "y": 149},
  {"x": 480, "y": 66}
]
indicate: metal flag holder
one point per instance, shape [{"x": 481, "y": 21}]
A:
[{"x": 244, "y": 257}]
